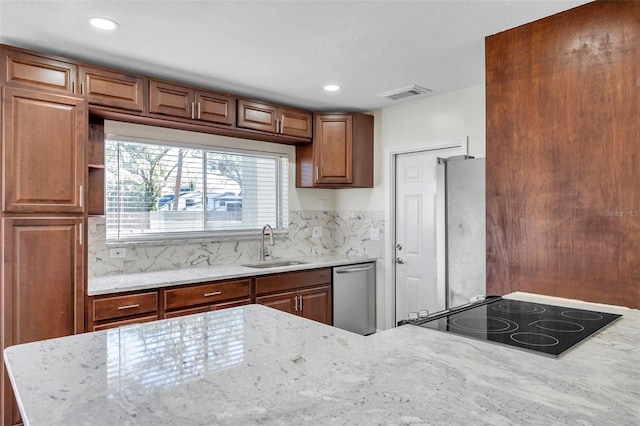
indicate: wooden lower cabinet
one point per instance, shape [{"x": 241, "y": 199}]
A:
[
  {"x": 303, "y": 293},
  {"x": 42, "y": 287},
  {"x": 207, "y": 308},
  {"x": 120, "y": 323},
  {"x": 212, "y": 296},
  {"x": 115, "y": 310},
  {"x": 110, "y": 311},
  {"x": 313, "y": 303}
]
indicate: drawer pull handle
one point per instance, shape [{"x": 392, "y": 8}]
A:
[
  {"x": 213, "y": 293},
  {"x": 135, "y": 305}
]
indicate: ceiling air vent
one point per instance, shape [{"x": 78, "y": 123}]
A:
[{"x": 404, "y": 92}]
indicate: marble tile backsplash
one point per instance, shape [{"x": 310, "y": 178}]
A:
[{"x": 343, "y": 232}]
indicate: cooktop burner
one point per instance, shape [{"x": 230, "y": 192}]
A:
[{"x": 546, "y": 329}]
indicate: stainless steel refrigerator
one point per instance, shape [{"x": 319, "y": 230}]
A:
[{"x": 462, "y": 209}]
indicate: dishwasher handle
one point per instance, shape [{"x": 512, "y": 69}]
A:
[{"x": 346, "y": 271}]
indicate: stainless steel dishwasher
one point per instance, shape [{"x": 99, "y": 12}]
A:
[{"x": 354, "y": 298}]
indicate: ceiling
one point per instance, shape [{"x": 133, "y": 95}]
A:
[{"x": 282, "y": 51}]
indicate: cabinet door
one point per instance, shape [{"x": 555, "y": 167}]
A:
[
  {"x": 42, "y": 287},
  {"x": 43, "y": 138},
  {"x": 280, "y": 301},
  {"x": 257, "y": 116},
  {"x": 333, "y": 148},
  {"x": 171, "y": 99},
  {"x": 112, "y": 89},
  {"x": 294, "y": 122},
  {"x": 215, "y": 107},
  {"x": 49, "y": 73},
  {"x": 316, "y": 304}
]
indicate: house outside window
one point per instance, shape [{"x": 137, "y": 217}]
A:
[{"x": 166, "y": 190}]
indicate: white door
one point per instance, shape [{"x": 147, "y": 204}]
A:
[{"x": 416, "y": 265}]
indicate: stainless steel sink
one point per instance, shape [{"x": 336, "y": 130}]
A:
[{"x": 274, "y": 263}]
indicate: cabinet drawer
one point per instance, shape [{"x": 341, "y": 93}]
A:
[
  {"x": 292, "y": 280},
  {"x": 206, "y": 293},
  {"x": 123, "y": 306},
  {"x": 129, "y": 321},
  {"x": 207, "y": 308}
]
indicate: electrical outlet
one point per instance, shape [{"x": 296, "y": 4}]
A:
[
  {"x": 374, "y": 234},
  {"x": 317, "y": 232},
  {"x": 117, "y": 253}
]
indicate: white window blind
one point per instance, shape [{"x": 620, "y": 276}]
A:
[{"x": 158, "y": 190}]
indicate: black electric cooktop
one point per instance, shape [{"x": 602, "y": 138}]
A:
[{"x": 545, "y": 329}]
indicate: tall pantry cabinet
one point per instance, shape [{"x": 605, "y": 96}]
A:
[{"x": 43, "y": 173}]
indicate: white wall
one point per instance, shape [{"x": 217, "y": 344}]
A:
[{"x": 437, "y": 118}]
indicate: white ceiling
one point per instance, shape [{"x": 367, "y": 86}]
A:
[{"x": 283, "y": 51}]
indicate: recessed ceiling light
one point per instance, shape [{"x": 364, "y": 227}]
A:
[
  {"x": 332, "y": 87},
  {"x": 104, "y": 23}
]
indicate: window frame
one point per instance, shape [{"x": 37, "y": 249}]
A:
[{"x": 282, "y": 195}]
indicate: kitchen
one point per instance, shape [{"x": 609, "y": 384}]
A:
[{"x": 393, "y": 125}]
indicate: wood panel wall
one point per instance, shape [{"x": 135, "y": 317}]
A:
[{"x": 563, "y": 155}]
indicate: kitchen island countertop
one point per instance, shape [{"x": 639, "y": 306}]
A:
[
  {"x": 255, "y": 365},
  {"x": 118, "y": 283}
]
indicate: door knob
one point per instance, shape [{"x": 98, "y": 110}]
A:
[{"x": 399, "y": 260}]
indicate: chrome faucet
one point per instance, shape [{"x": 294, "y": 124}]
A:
[{"x": 262, "y": 252}]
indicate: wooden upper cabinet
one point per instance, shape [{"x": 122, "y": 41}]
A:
[
  {"x": 257, "y": 116},
  {"x": 294, "y": 122},
  {"x": 21, "y": 67},
  {"x": 334, "y": 149},
  {"x": 170, "y": 99},
  {"x": 214, "y": 107},
  {"x": 341, "y": 154},
  {"x": 275, "y": 119},
  {"x": 43, "y": 138},
  {"x": 189, "y": 103},
  {"x": 112, "y": 89}
]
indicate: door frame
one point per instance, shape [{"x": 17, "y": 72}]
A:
[{"x": 390, "y": 218}]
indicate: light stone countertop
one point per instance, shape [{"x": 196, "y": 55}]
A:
[
  {"x": 156, "y": 279},
  {"x": 257, "y": 366}
]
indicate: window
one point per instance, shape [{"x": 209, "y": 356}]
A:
[{"x": 158, "y": 190}]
